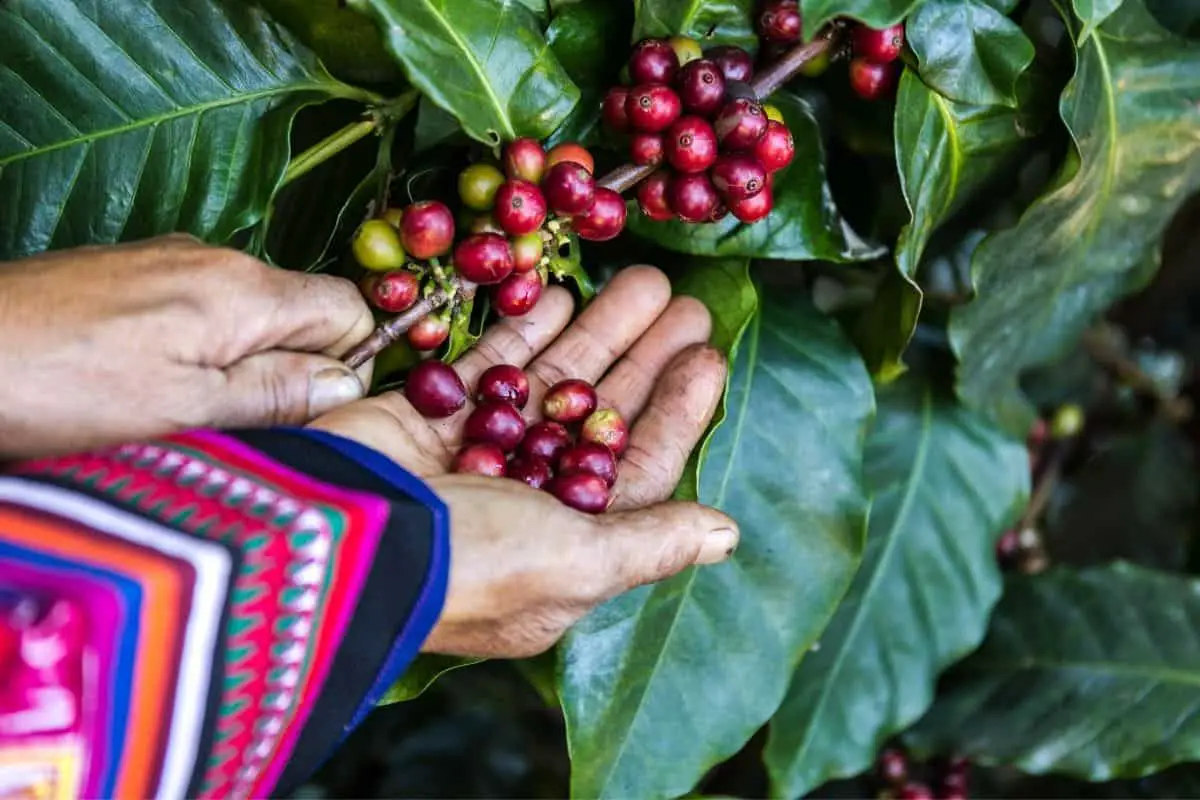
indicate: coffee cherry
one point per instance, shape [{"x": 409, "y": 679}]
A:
[
  {"x": 653, "y": 61},
  {"x": 869, "y": 80},
  {"x": 734, "y": 62},
  {"x": 738, "y": 176},
  {"x": 753, "y": 208},
  {"x": 569, "y": 401},
  {"x": 776, "y": 148},
  {"x": 646, "y": 149},
  {"x": 652, "y": 196},
  {"x": 428, "y": 333},
  {"x": 692, "y": 196},
  {"x": 606, "y": 426},
  {"x": 720, "y": 212},
  {"x": 1067, "y": 422},
  {"x": 435, "y": 390},
  {"x": 483, "y": 258},
  {"x": 573, "y": 153},
  {"x": 686, "y": 50},
  {"x": 740, "y": 124},
  {"x": 477, "y": 185},
  {"x": 546, "y": 440},
  {"x": 516, "y": 295},
  {"x": 880, "y": 46},
  {"x": 612, "y": 110},
  {"x": 892, "y": 767},
  {"x": 818, "y": 65},
  {"x": 589, "y": 457},
  {"x": 915, "y": 791},
  {"x": 701, "y": 87},
  {"x": 484, "y": 459},
  {"x": 427, "y": 229},
  {"x": 377, "y": 246},
  {"x": 484, "y": 223},
  {"x": 691, "y": 144},
  {"x": 503, "y": 383},
  {"x": 394, "y": 292},
  {"x": 392, "y": 216},
  {"x": 524, "y": 158},
  {"x": 520, "y": 207},
  {"x": 1008, "y": 548},
  {"x": 954, "y": 786},
  {"x": 604, "y": 220},
  {"x": 533, "y": 471},
  {"x": 569, "y": 188},
  {"x": 527, "y": 251},
  {"x": 652, "y": 107},
  {"x": 496, "y": 422},
  {"x": 582, "y": 491},
  {"x": 780, "y": 22}
]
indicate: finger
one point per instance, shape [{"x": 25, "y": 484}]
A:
[
  {"x": 616, "y": 318},
  {"x": 627, "y": 387},
  {"x": 680, "y": 408},
  {"x": 640, "y": 547},
  {"x": 279, "y": 388},
  {"x": 517, "y": 340}
]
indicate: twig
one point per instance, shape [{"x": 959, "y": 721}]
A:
[
  {"x": 621, "y": 179},
  {"x": 1105, "y": 351}
]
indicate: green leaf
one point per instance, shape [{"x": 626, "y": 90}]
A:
[
  {"x": 590, "y": 39},
  {"x": 346, "y": 42},
  {"x": 465, "y": 329},
  {"x": 1094, "y": 674},
  {"x": 944, "y": 485},
  {"x": 711, "y": 650},
  {"x": 876, "y": 13},
  {"x": 129, "y": 119},
  {"x": 968, "y": 51},
  {"x": 421, "y": 674},
  {"x": 567, "y": 264},
  {"x": 1133, "y": 109},
  {"x": 485, "y": 62},
  {"x": 804, "y": 225},
  {"x": 886, "y": 325},
  {"x": 712, "y": 22},
  {"x": 1092, "y": 13}
]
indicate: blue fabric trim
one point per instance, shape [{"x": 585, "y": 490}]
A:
[
  {"x": 433, "y": 593},
  {"x": 120, "y": 673}
]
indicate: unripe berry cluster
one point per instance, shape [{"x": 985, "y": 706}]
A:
[
  {"x": 873, "y": 69},
  {"x": 572, "y": 453},
  {"x": 694, "y": 115}
]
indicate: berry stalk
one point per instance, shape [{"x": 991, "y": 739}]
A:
[{"x": 391, "y": 331}]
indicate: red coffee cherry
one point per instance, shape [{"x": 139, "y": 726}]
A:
[
  {"x": 497, "y": 422},
  {"x": 394, "y": 291},
  {"x": 504, "y": 383},
  {"x": 533, "y": 471},
  {"x": 740, "y": 124},
  {"x": 871, "y": 81},
  {"x": 892, "y": 767},
  {"x": 569, "y": 401},
  {"x": 612, "y": 110},
  {"x": 653, "y": 61},
  {"x": 880, "y": 46},
  {"x": 569, "y": 151},
  {"x": 691, "y": 144},
  {"x": 546, "y": 440},
  {"x": 582, "y": 491},
  {"x": 701, "y": 87},
  {"x": 589, "y": 457},
  {"x": 604, "y": 220},
  {"x": 427, "y": 229},
  {"x": 753, "y": 208},
  {"x": 520, "y": 207},
  {"x": 428, "y": 333},
  {"x": 434, "y": 389},
  {"x": 516, "y": 295},
  {"x": 652, "y": 196},
  {"x": 483, "y": 258},
  {"x": 607, "y": 427},
  {"x": 524, "y": 158},
  {"x": 719, "y": 213},
  {"x": 776, "y": 148},
  {"x": 738, "y": 176},
  {"x": 692, "y": 196},
  {"x": 780, "y": 22},
  {"x": 734, "y": 62},
  {"x": 527, "y": 251},
  {"x": 915, "y": 791},
  {"x": 484, "y": 459},
  {"x": 652, "y": 107},
  {"x": 569, "y": 188},
  {"x": 646, "y": 149}
]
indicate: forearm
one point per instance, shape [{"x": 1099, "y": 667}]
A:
[{"x": 243, "y": 598}]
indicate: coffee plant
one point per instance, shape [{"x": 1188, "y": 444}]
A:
[{"x": 917, "y": 225}]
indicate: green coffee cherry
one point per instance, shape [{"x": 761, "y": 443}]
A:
[
  {"x": 477, "y": 185},
  {"x": 377, "y": 246}
]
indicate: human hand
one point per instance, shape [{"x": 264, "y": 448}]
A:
[
  {"x": 106, "y": 344},
  {"x": 524, "y": 566}
]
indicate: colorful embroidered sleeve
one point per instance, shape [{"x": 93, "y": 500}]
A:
[{"x": 207, "y": 614}]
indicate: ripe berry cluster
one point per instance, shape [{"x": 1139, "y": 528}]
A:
[
  {"x": 873, "y": 70},
  {"x": 695, "y": 114},
  {"x": 894, "y": 773},
  {"x": 580, "y": 470}
]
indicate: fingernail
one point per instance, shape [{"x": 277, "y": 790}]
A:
[
  {"x": 718, "y": 546},
  {"x": 331, "y": 388}
]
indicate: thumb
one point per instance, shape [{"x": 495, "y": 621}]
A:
[
  {"x": 656, "y": 542},
  {"x": 283, "y": 388}
]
